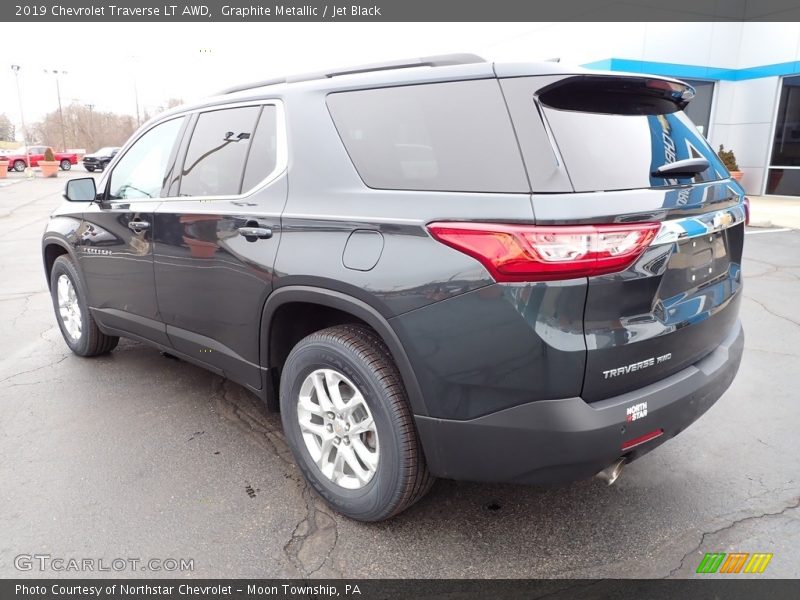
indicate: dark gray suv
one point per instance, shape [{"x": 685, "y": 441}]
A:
[{"x": 441, "y": 267}]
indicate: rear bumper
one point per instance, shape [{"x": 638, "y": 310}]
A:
[{"x": 556, "y": 441}]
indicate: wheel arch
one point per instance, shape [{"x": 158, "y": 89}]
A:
[
  {"x": 360, "y": 310},
  {"x": 52, "y": 248}
]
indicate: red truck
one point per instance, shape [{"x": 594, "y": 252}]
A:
[{"x": 19, "y": 160}]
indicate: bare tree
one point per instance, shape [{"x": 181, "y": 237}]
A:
[
  {"x": 7, "y": 130},
  {"x": 86, "y": 128}
]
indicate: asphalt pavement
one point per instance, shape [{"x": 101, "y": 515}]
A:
[{"x": 138, "y": 456}]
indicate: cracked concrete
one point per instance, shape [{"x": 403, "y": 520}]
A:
[
  {"x": 698, "y": 551},
  {"x": 103, "y": 458}
]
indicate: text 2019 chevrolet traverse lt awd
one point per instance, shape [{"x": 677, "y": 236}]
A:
[{"x": 441, "y": 267}]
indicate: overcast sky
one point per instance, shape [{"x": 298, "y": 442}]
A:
[{"x": 190, "y": 60}]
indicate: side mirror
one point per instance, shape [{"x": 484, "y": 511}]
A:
[{"x": 81, "y": 190}]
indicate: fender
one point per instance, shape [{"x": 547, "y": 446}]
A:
[
  {"x": 359, "y": 309},
  {"x": 59, "y": 231}
]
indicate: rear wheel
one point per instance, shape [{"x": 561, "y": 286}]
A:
[
  {"x": 19, "y": 166},
  {"x": 347, "y": 421},
  {"x": 77, "y": 326},
  {"x": 66, "y": 165}
]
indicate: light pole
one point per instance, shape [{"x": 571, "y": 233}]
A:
[
  {"x": 136, "y": 96},
  {"x": 91, "y": 124},
  {"x": 132, "y": 60},
  {"x": 56, "y": 72},
  {"x": 28, "y": 171}
]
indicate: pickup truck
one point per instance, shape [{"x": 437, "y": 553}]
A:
[{"x": 18, "y": 160}]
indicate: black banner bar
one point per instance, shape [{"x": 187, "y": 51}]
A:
[
  {"x": 398, "y": 10},
  {"x": 731, "y": 588}
]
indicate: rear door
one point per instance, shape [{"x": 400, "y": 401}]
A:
[
  {"x": 217, "y": 235},
  {"x": 623, "y": 151}
]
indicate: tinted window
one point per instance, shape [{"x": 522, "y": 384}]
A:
[
  {"x": 263, "y": 154},
  {"x": 447, "y": 136},
  {"x": 141, "y": 172},
  {"x": 614, "y": 152},
  {"x": 215, "y": 159}
]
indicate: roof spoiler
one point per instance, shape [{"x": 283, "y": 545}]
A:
[{"x": 441, "y": 60}]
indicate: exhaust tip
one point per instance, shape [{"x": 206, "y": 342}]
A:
[{"x": 611, "y": 473}]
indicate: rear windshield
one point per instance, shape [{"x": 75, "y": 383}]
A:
[
  {"x": 454, "y": 136},
  {"x": 616, "y": 136}
]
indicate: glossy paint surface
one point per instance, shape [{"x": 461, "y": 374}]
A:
[{"x": 474, "y": 347}]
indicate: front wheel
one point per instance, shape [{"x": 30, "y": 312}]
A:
[
  {"x": 19, "y": 166},
  {"x": 90, "y": 169},
  {"x": 346, "y": 418},
  {"x": 77, "y": 325},
  {"x": 66, "y": 165}
]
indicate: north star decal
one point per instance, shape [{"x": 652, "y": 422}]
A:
[{"x": 637, "y": 411}]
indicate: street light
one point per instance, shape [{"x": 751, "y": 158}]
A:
[
  {"x": 91, "y": 123},
  {"x": 28, "y": 171},
  {"x": 56, "y": 72}
]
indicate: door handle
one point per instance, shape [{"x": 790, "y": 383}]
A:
[
  {"x": 138, "y": 225},
  {"x": 255, "y": 233}
]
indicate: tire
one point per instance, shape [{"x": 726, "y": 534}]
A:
[
  {"x": 90, "y": 169},
  {"x": 19, "y": 166},
  {"x": 355, "y": 357},
  {"x": 65, "y": 165},
  {"x": 103, "y": 166},
  {"x": 89, "y": 341}
]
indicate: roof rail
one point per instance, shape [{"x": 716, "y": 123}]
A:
[{"x": 441, "y": 60}]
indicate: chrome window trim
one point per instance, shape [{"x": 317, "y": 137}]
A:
[
  {"x": 700, "y": 225},
  {"x": 282, "y": 157}
]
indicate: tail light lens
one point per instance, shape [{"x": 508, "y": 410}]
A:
[{"x": 534, "y": 253}]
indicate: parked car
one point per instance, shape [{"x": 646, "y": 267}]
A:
[
  {"x": 487, "y": 272},
  {"x": 99, "y": 160},
  {"x": 18, "y": 159}
]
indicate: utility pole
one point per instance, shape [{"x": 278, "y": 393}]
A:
[
  {"x": 28, "y": 170},
  {"x": 56, "y": 72},
  {"x": 91, "y": 124},
  {"x": 136, "y": 96}
]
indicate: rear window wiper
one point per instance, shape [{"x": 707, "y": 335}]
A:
[{"x": 682, "y": 168}]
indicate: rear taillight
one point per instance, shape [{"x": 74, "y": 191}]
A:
[
  {"x": 542, "y": 253},
  {"x": 746, "y": 210}
]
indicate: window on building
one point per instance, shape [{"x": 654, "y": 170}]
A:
[
  {"x": 699, "y": 109},
  {"x": 784, "y": 171}
]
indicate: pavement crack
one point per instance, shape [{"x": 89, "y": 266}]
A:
[
  {"x": 47, "y": 366},
  {"x": 314, "y": 538},
  {"x": 731, "y": 525},
  {"x": 772, "y": 312}
]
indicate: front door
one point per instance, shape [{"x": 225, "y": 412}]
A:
[{"x": 115, "y": 242}]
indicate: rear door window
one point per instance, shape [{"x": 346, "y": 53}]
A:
[
  {"x": 215, "y": 158},
  {"x": 614, "y": 133},
  {"x": 454, "y": 136},
  {"x": 263, "y": 156}
]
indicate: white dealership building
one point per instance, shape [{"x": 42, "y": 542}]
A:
[{"x": 747, "y": 77}]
